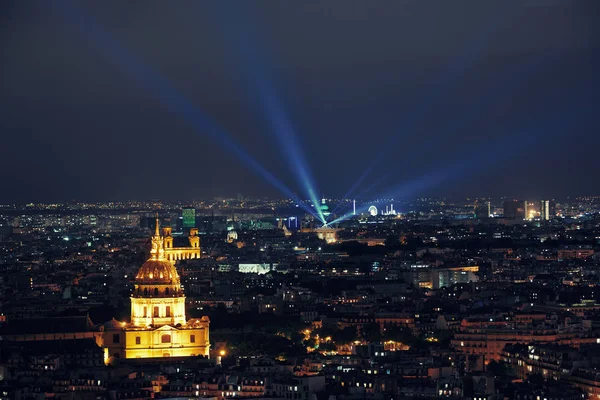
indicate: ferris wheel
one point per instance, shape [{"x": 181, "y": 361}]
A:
[{"x": 373, "y": 211}]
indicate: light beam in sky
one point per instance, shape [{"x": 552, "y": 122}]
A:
[
  {"x": 260, "y": 78},
  {"x": 169, "y": 96},
  {"x": 477, "y": 160},
  {"x": 445, "y": 82}
]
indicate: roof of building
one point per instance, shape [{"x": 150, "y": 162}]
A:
[
  {"x": 112, "y": 325},
  {"x": 157, "y": 271},
  {"x": 69, "y": 346},
  {"x": 48, "y": 325}
]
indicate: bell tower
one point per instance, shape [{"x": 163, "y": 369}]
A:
[
  {"x": 194, "y": 238},
  {"x": 158, "y": 250},
  {"x": 168, "y": 237}
]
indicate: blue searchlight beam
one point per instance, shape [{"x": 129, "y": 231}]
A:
[
  {"x": 483, "y": 159},
  {"x": 169, "y": 96},
  {"x": 270, "y": 105},
  {"x": 446, "y": 81}
]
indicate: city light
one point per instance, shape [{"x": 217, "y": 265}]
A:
[
  {"x": 136, "y": 263},
  {"x": 477, "y": 156}
]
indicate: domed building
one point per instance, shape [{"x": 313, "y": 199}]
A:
[
  {"x": 232, "y": 236},
  {"x": 158, "y": 326}
]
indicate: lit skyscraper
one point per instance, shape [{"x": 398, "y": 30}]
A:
[
  {"x": 189, "y": 217},
  {"x": 545, "y": 210}
]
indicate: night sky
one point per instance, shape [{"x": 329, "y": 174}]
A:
[{"x": 109, "y": 100}]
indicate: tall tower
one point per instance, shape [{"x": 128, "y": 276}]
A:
[
  {"x": 194, "y": 238},
  {"x": 545, "y": 210},
  {"x": 168, "y": 238},
  {"x": 324, "y": 210}
]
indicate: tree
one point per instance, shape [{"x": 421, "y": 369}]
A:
[
  {"x": 296, "y": 337},
  {"x": 536, "y": 379},
  {"x": 371, "y": 332},
  {"x": 392, "y": 241},
  {"x": 327, "y": 346},
  {"x": 499, "y": 368},
  {"x": 398, "y": 333},
  {"x": 345, "y": 336}
]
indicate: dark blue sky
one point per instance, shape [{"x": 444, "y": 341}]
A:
[{"x": 508, "y": 90}]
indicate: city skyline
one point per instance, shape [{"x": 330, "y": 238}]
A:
[
  {"x": 481, "y": 99},
  {"x": 291, "y": 200}
]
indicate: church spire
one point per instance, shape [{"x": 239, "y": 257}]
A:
[
  {"x": 157, "y": 233},
  {"x": 158, "y": 249}
]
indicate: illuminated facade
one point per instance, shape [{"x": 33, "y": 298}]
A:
[
  {"x": 425, "y": 276},
  {"x": 327, "y": 234},
  {"x": 181, "y": 253},
  {"x": 545, "y": 210},
  {"x": 188, "y": 215},
  {"x": 158, "y": 326},
  {"x": 488, "y": 337},
  {"x": 232, "y": 236},
  {"x": 447, "y": 277}
]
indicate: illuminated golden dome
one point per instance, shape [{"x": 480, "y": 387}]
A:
[{"x": 157, "y": 272}]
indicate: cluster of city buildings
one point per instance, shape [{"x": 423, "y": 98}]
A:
[{"x": 225, "y": 302}]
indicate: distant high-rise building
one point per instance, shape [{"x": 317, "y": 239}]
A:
[
  {"x": 482, "y": 209},
  {"x": 545, "y": 210},
  {"x": 515, "y": 209},
  {"x": 189, "y": 217}
]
